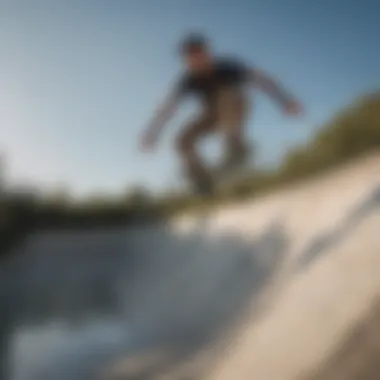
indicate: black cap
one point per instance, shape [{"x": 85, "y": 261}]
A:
[{"x": 193, "y": 42}]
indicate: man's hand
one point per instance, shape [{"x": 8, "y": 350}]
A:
[
  {"x": 293, "y": 108},
  {"x": 149, "y": 140}
]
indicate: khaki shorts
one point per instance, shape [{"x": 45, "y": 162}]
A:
[{"x": 227, "y": 115}]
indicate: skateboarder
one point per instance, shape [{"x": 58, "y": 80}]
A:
[{"x": 220, "y": 84}]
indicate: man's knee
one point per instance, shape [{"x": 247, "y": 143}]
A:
[
  {"x": 185, "y": 145},
  {"x": 188, "y": 139}
]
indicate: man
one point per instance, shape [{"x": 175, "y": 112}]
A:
[{"x": 220, "y": 84}]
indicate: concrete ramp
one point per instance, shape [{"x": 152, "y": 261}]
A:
[{"x": 267, "y": 289}]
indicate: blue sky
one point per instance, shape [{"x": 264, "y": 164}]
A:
[{"x": 80, "y": 79}]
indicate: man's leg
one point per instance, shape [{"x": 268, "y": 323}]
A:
[
  {"x": 187, "y": 141},
  {"x": 233, "y": 111}
]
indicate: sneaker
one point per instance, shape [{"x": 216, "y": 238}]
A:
[
  {"x": 202, "y": 183},
  {"x": 203, "y": 187},
  {"x": 235, "y": 159}
]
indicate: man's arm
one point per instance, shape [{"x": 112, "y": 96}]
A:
[
  {"x": 275, "y": 90},
  {"x": 165, "y": 112},
  {"x": 162, "y": 116}
]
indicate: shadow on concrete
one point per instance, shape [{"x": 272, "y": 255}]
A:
[
  {"x": 88, "y": 300},
  {"x": 358, "y": 356},
  {"x": 326, "y": 241}
]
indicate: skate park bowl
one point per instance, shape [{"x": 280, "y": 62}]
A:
[{"x": 282, "y": 287}]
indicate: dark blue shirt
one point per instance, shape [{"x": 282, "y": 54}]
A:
[{"x": 225, "y": 73}]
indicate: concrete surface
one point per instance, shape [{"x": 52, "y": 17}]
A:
[{"x": 268, "y": 289}]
